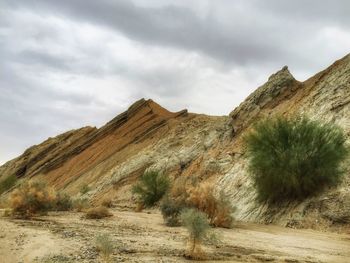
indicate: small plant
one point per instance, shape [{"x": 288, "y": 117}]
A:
[
  {"x": 80, "y": 204},
  {"x": 7, "y": 183},
  {"x": 294, "y": 158},
  {"x": 171, "y": 211},
  {"x": 107, "y": 202},
  {"x": 84, "y": 189},
  {"x": 150, "y": 188},
  {"x": 31, "y": 198},
  {"x": 198, "y": 227},
  {"x": 104, "y": 245},
  {"x": 63, "y": 202},
  {"x": 97, "y": 213}
]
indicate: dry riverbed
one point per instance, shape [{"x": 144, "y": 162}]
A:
[{"x": 143, "y": 237}]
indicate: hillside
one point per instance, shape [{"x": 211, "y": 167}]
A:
[{"x": 188, "y": 145}]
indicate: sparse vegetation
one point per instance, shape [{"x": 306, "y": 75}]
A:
[
  {"x": 294, "y": 158},
  {"x": 7, "y": 183},
  {"x": 7, "y": 213},
  {"x": 80, "y": 204},
  {"x": 31, "y": 198},
  {"x": 63, "y": 202},
  {"x": 104, "y": 245},
  {"x": 84, "y": 189},
  {"x": 97, "y": 213},
  {"x": 198, "y": 227},
  {"x": 202, "y": 197},
  {"x": 150, "y": 188},
  {"x": 218, "y": 209},
  {"x": 171, "y": 211}
]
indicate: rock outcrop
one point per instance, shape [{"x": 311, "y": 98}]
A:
[
  {"x": 325, "y": 97},
  {"x": 139, "y": 121},
  {"x": 208, "y": 148},
  {"x": 280, "y": 86}
]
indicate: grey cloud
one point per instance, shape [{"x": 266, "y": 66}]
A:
[
  {"x": 171, "y": 25},
  {"x": 236, "y": 41},
  {"x": 255, "y": 37},
  {"x": 326, "y": 11},
  {"x": 45, "y": 59}
]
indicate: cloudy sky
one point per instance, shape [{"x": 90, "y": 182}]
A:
[{"x": 65, "y": 64}]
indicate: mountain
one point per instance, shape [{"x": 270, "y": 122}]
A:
[{"x": 208, "y": 148}]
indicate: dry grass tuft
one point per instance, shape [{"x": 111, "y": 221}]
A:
[
  {"x": 218, "y": 208},
  {"x": 202, "y": 197},
  {"x": 98, "y": 213},
  {"x": 80, "y": 204},
  {"x": 104, "y": 245}
]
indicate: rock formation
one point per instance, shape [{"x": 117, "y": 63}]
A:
[{"x": 145, "y": 136}]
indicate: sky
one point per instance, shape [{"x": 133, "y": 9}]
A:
[{"x": 72, "y": 63}]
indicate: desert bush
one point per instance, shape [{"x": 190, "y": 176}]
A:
[
  {"x": 80, "y": 204},
  {"x": 31, "y": 198},
  {"x": 104, "y": 245},
  {"x": 202, "y": 197},
  {"x": 7, "y": 183},
  {"x": 198, "y": 227},
  {"x": 294, "y": 158},
  {"x": 179, "y": 190},
  {"x": 84, "y": 189},
  {"x": 63, "y": 202},
  {"x": 171, "y": 211},
  {"x": 151, "y": 187},
  {"x": 107, "y": 202},
  {"x": 97, "y": 213},
  {"x": 218, "y": 209}
]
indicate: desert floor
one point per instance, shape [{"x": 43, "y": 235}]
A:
[{"x": 143, "y": 237}]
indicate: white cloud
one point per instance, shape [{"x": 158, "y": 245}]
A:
[{"x": 69, "y": 64}]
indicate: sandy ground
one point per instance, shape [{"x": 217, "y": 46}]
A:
[{"x": 143, "y": 237}]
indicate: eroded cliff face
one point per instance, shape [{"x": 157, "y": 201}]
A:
[
  {"x": 208, "y": 148},
  {"x": 324, "y": 97}
]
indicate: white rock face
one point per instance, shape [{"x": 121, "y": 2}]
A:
[{"x": 324, "y": 97}]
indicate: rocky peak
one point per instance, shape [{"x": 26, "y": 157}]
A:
[
  {"x": 279, "y": 86},
  {"x": 281, "y": 76}
]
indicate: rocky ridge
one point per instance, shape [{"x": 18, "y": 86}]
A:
[{"x": 109, "y": 159}]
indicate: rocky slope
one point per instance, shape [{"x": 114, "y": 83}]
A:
[{"x": 189, "y": 145}]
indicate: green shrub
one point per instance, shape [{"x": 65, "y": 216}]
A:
[
  {"x": 7, "y": 183},
  {"x": 171, "y": 211},
  {"x": 63, "y": 202},
  {"x": 198, "y": 227},
  {"x": 151, "y": 187},
  {"x": 104, "y": 245},
  {"x": 84, "y": 189},
  {"x": 294, "y": 158},
  {"x": 31, "y": 198},
  {"x": 98, "y": 213}
]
